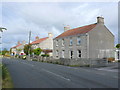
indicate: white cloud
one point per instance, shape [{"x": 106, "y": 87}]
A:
[{"x": 42, "y": 18}]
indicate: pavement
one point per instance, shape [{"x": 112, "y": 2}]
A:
[{"x": 32, "y": 74}]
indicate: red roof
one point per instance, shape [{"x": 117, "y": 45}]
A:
[
  {"x": 79, "y": 30},
  {"x": 39, "y": 40},
  {"x": 17, "y": 46}
]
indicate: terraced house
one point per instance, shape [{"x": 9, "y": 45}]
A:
[
  {"x": 46, "y": 44},
  {"x": 90, "y": 41}
]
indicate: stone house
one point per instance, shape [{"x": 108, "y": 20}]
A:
[
  {"x": 18, "y": 49},
  {"x": 90, "y": 41},
  {"x": 46, "y": 44}
]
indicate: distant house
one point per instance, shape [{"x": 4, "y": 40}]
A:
[
  {"x": 18, "y": 49},
  {"x": 46, "y": 44},
  {"x": 90, "y": 41}
]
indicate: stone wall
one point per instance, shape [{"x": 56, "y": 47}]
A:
[{"x": 74, "y": 62}]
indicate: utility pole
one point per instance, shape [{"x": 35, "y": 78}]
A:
[{"x": 29, "y": 42}]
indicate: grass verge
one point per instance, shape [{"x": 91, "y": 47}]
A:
[{"x": 6, "y": 78}]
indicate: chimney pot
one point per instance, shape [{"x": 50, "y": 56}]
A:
[
  {"x": 66, "y": 28},
  {"x": 50, "y": 35},
  {"x": 18, "y": 42},
  {"x": 36, "y": 38},
  {"x": 100, "y": 20}
]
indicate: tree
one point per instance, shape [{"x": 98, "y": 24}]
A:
[
  {"x": 118, "y": 46},
  {"x": 37, "y": 51},
  {"x": 4, "y": 51},
  {"x": 28, "y": 49}
]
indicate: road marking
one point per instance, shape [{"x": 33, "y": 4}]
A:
[
  {"x": 102, "y": 69},
  {"x": 27, "y": 64},
  {"x": 56, "y": 75}
]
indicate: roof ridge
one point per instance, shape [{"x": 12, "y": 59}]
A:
[{"x": 83, "y": 26}]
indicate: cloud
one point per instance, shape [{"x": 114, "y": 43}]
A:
[{"x": 41, "y": 18}]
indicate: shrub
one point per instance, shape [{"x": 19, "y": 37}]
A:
[
  {"x": 34, "y": 60},
  {"x": 45, "y": 55}
]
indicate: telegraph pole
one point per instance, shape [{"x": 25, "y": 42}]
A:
[{"x": 29, "y": 42}]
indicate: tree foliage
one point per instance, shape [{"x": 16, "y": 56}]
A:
[
  {"x": 4, "y": 51},
  {"x": 28, "y": 49},
  {"x": 37, "y": 51},
  {"x": 118, "y": 46}
]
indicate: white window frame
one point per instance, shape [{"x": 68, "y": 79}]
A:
[
  {"x": 63, "y": 42},
  {"x": 56, "y": 42},
  {"x": 57, "y": 53},
  {"x": 79, "y": 53},
  {"x": 70, "y": 54},
  {"x": 63, "y": 53},
  {"x": 71, "y": 42},
  {"x": 78, "y": 40}
]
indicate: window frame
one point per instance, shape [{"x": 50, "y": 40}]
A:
[
  {"x": 63, "y": 42},
  {"x": 71, "y": 41},
  {"x": 79, "y": 54},
  {"x": 78, "y": 39},
  {"x": 56, "y": 43}
]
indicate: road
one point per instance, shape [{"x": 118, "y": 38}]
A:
[{"x": 32, "y": 74}]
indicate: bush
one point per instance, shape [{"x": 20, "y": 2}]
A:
[
  {"x": 111, "y": 59},
  {"x": 45, "y": 55},
  {"x": 34, "y": 60}
]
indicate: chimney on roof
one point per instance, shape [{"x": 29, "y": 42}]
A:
[
  {"x": 36, "y": 38},
  {"x": 18, "y": 42},
  {"x": 23, "y": 42},
  {"x": 50, "y": 35},
  {"x": 100, "y": 20},
  {"x": 66, "y": 28}
]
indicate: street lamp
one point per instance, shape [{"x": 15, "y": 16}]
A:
[{"x": 1, "y": 30}]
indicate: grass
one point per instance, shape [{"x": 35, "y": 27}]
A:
[{"x": 6, "y": 79}]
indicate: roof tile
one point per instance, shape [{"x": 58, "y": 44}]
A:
[{"x": 79, "y": 30}]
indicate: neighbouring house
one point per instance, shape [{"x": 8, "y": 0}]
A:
[
  {"x": 90, "y": 41},
  {"x": 117, "y": 54},
  {"x": 46, "y": 44},
  {"x": 18, "y": 49}
]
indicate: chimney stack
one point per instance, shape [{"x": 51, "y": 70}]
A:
[
  {"x": 23, "y": 42},
  {"x": 50, "y": 35},
  {"x": 100, "y": 20},
  {"x": 36, "y": 38},
  {"x": 66, "y": 28},
  {"x": 18, "y": 42}
]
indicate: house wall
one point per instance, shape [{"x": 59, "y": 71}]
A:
[
  {"x": 46, "y": 44},
  {"x": 67, "y": 48},
  {"x": 101, "y": 42},
  {"x": 16, "y": 51}
]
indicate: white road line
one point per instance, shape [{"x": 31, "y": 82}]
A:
[
  {"x": 108, "y": 70},
  {"x": 27, "y": 64},
  {"x": 56, "y": 75},
  {"x": 100, "y": 73}
]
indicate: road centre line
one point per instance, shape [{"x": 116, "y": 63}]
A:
[{"x": 56, "y": 75}]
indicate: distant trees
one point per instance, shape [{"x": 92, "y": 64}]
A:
[
  {"x": 118, "y": 46},
  {"x": 4, "y": 51}
]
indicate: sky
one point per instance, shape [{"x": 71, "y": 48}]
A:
[{"x": 43, "y": 17}]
